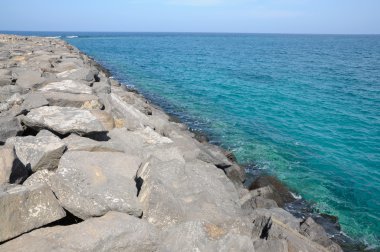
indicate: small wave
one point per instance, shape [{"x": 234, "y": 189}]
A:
[
  {"x": 296, "y": 196},
  {"x": 71, "y": 36},
  {"x": 52, "y": 37}
]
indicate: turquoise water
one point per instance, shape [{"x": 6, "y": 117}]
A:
[{"x": 305, "y": 107}]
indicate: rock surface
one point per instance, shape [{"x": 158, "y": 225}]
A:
[
  {"x": 25, "y": 208},
  {"x": 63, "y": 120},
  {"x": 112, "y": 232},
  {"x": 40, "y": 152},
  {"x": 92, "y": 183},
  {"x": 11, "y": 169},
  {"x": 67, "y": 86}
]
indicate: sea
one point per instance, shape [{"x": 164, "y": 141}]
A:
[{"x": 304, "y": 108}]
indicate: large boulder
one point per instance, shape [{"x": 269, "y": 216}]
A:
[
  {"x": 67, "y": 86},
  {"x": 112, "y": 232},
  {"x": 34, "y": 100},
  {"x": 315, "y": 232},
  {"x": 78, "y": 143},
  {"x": 9, "y": 127},
  {"x": 68, "y": 99},
  {"x": 25, "y": 208},
  {"x": 90, "y": 184},
  {"x": 28, "y": 79},
  {"x": 83, "y": 74},
  {"x": 65, "y": 120},
  {"x": 263, "y": 245},
  {"x": 203, "y": 236},
  {"x": 277, "y": 224},
  {"x": 174, "y": 192},
  {"x": 40, "y": 152},
  {"x": 11, "y": 169}
]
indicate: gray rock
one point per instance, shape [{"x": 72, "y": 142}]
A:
[
  {"x": 203, "y": 236},
  {"x": 40, "y": 177},
  {"x": 9, "y": 127},
  {"x": 258, "y": 198},
  {"x": 134, "y": 118},
  {"x": 112, "y": 232},
  {"x": 276, "y": 223},
  {"x": 92, "y": 183},
  {"x": 5, "y": 80},
  {"x": 174, "y": 192},
  {"x": 25, "y": 208},
  {"x": 316, "y": 233},
  {"x": 78, "y": 143},
  {"x": 64, "y": 120},
  {"x": 101, "y": 87},
  {"x": 34, "y": 100},
  {"x": 270, "y": 246},
  {"x": 11, "y": 169},
  {"x": 29, "y": 79},
  {"x": 39, "y": 152},
  {"x": 67, "y": 86},
  {"x": 84, "y": 74},
  {"x": 68, "y": 100},
  {"x": 7, "y": 91}
]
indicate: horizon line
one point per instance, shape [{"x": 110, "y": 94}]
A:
[{"x": 201, "y": 32}]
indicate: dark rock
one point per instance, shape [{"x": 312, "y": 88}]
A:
[{"x": 281, "y": 194}]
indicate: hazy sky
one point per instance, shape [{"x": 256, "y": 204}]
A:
[{"x": 267, "y": 16}]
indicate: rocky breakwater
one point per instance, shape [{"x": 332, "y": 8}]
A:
[{"x": 86, "y": 165}]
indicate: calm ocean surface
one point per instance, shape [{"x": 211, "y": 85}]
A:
[{"x": 305, "y": 107}]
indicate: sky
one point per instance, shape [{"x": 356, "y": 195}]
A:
[{"x": 240, "y": 16}]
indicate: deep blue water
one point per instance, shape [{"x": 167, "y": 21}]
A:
[{"x": 305, "y": 107}]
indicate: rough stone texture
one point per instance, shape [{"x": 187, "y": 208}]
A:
[
  {"x": 104, "y": 118},
  {"x": 316, "y": 233},
  {"x": 84, "y": 74},
  {"x": 203, "y": 236},
  {"x": 78, "y": 143},
  {"x": 258, "y": 198},
  {"x": 28, "y": 79},
  {"x": 92, "y": 183},
  {"x": 134, "y": 118},
  {"x": 174, "y": 192},
  {"x": 7, "y": 91},
  {"x": 9, "y": 127},
  {"x": 270, "y": 246},
  {"x": 68, "y": 99},
  {"x": 276, "y": 223},
  {"x": 101, "y": 87},
  {"x": 39, "y": 152},
  {"x": 112, "y": 232},
  {"x": 67, "y": 86},
  {"x": 34, "y": 100},
  {"x": 25, "y": 208},
  {"x": 63, "y": 120},
  {"x": 11, "y": 169},
  {"x": 39, "y": 177}
]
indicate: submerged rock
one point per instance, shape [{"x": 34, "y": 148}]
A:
[
  {"x": 25, "y": 208},
  {"x": 91, "y": 184},
  {"x": 64, "y": 120},
  {"x": 112, "y": 232}
]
